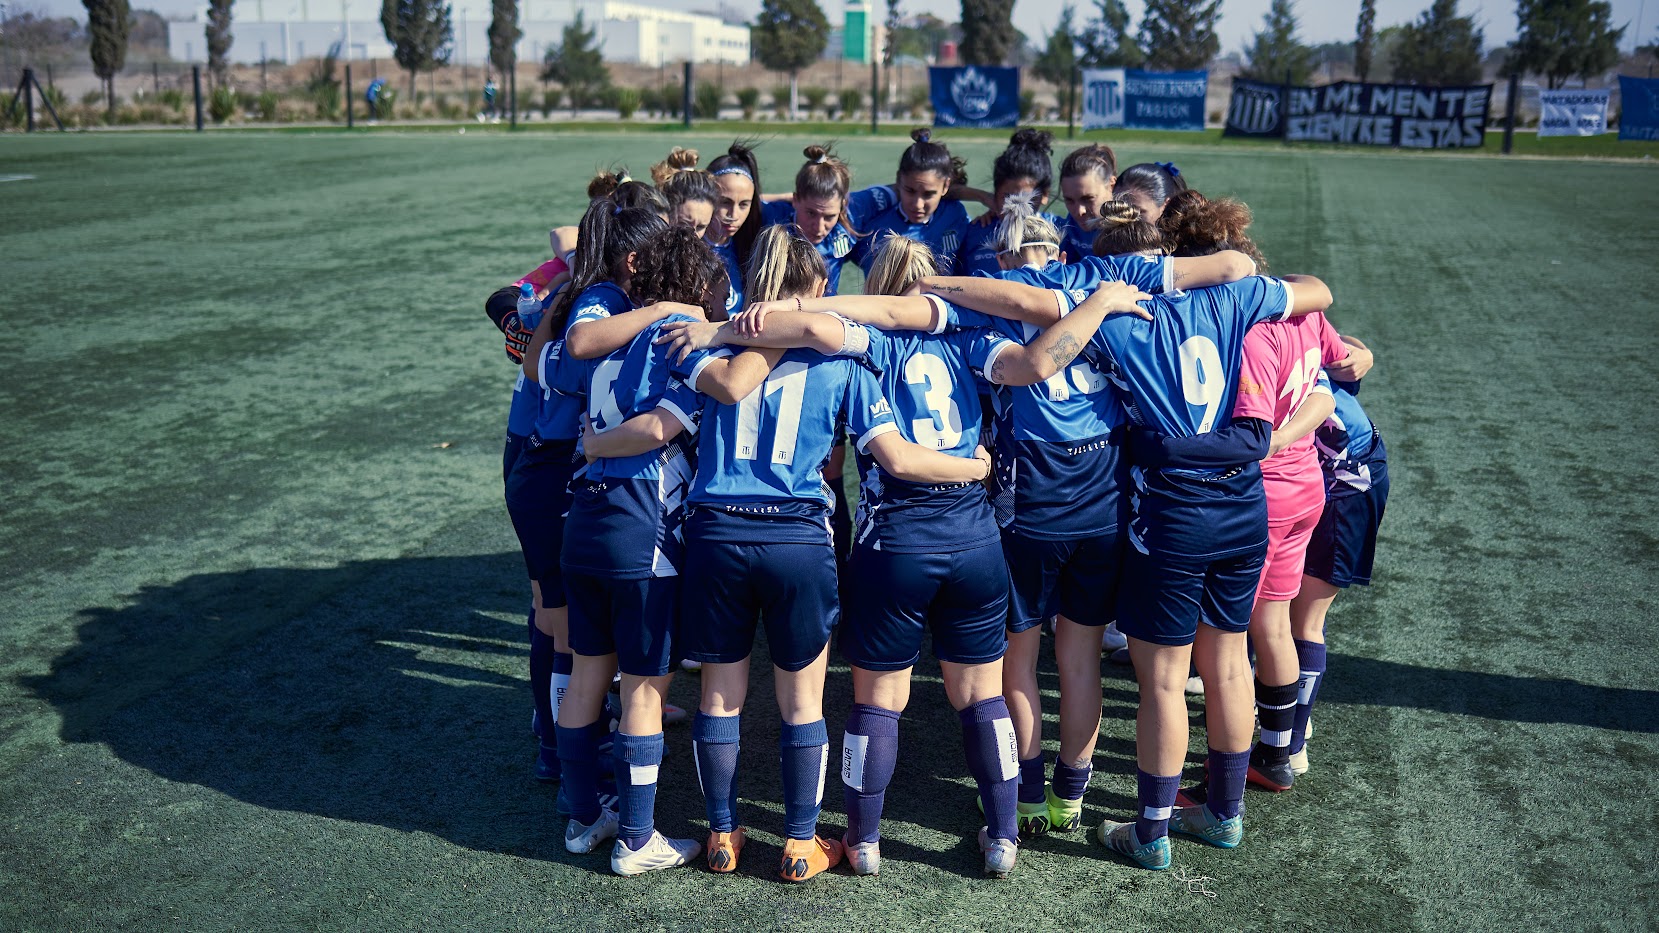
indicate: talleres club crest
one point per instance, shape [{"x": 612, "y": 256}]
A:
[{"x": 973, "y": 93}]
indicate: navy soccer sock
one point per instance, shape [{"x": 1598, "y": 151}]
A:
[
  {"x": 541, "y": 673},
  {"x": 1310, "y": 658},
  {"x": 1225, "y": 790},
  {"x": 993, "y": 760},
  {"x": 1031, "y": 779},
  {"x": 804, "y": 753},
  {"x": 869, "y": 752},
  {"x": 1071, "y": 783},
  {"x": 1156, "y": 795},
  {"x": 579, "y": 772},
  {"x": 1276, "y": 708},
  {"x": 714, "y": 742},
  {"x": 637, "y": 760}
]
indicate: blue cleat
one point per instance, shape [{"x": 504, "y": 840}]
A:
[
  {"x": 1203, "y": 825},
  {"x": 1120, "y": 838}
]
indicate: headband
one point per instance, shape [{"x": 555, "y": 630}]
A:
[{"x": 733, "y": 170}]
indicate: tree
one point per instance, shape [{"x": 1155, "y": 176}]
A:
[
  {"x": 789, "y": 35},
  {"x": 218, "y": 37},
  {"x": 1440, "y": 48},
  {"x": 1276, "y": 54},
  {"x": 1106, "y": 40},
  {"x": 504, "y": 35},
  {"x": 988, "y": 36},
  {"x": 1563, "y": 39},
  {"x": 420, "y": 33},
  {"x": 1179, "y": 35},
  {"x": 109, "y": 22},
  {"x": 1058, "y": 62},
  {"x": 1365, "y": 39},
  {"x": 578, "y": 64}
]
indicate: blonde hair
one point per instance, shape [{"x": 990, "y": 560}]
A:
[
  {"x": 784, "y": 265},
  {"x": 679, "y": 160},
  {"x": 897, "y": 264},
  {"x": 1022, "y": 228}
]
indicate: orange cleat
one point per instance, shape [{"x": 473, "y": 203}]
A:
[
  {"x": 803, "y": 858},
  {"x": 723, "y": 850}
]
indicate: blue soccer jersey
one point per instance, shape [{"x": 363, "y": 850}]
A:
[
  {"x": 978, "y": 254},
  {"x": 930, "y": 382},
  {"x": 835, "y": 247},
  {"x": 1151, "y": 274},
  {"x": 560, "y": 415},
  {"x": 1179, "y": 375},
  {"x": 1075, "y": 241},
  {"x": 727, "y": 252},
  {"x": 1345, "y": 441},
  {"x": 760, "y": 458},
  {"x": 526, "y": 404},
  {"x": 876, "y": 213}
]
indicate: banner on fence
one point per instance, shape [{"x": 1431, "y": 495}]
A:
[
  {"x": 1120, "y": 98},
  {"x": 1257, "y": 109},
  {"x": 1638, "y": 108},
  {"x": 973, "y": 96},
  {"x": 1573, "y": 113}
]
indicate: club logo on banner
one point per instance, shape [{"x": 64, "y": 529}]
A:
[
  {"x": 1573, "y": 113},
  {"x": 972, "y": 96},
  {"x": 1255, "y": 109},
  {"x": 1102, "y": 98},
  {"x": 1120, "y": 98},
  {"x": 1639, "y": 109}
]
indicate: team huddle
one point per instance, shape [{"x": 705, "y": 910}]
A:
[{"x": 1110, "y": 422}]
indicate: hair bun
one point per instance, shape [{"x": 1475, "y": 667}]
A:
[
  {"x": 683, "y": 159},
  {"x": 1031, "y": 138},
  {"x": 921, "y": 134},
  {"x": 816, "y": 153}
]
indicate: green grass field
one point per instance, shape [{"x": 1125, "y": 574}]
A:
[{"x": 261, "y": 610}]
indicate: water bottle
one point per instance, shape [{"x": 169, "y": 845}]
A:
[{"x": 529, "y": 306}]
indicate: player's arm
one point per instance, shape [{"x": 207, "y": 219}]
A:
[
  {"x": 1055, "y": 348},
  {"x": 769, "y": 198},
  {"x": 538, "y": 343},
  {"x": 638, "y": 435},
  {"x": 966, "y": 193},
  {"x": 1356, "y": 366},
  {"x": 591, "y": 339},
  {"x": 775, "y": 325},
  {"x": 1244, "y": 440},
  {"x": 1308, "y": 294},
  {"x": 1221, "y": 268},
  {"x": 998, "y": 298},
  {"x": 914, "y": 463},
  {"x": 563, "y": 240},
  {"x": 1305, "y": 420},
  {"x": 729, "y": 379}
]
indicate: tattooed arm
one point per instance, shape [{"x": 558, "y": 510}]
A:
[{"x": 1056, "y": 347}]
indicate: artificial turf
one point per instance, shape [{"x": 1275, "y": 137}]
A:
[{"x": 262, "y": 614}]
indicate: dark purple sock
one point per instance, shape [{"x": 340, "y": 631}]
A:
[
  {"x": 1276, "y": 708},
  {"x": 638, "y": 758},
  {"x": 1156, "y": 796},
  {"x": 1310, "y": 657},
  {"x": 1071, "y": 783},
  {"x": 993, "y": 759},
  {"x": 579, "y": 772},
  {"x": 869, "y": 752},
  {"x": 1225, "y": 792},
  {"x": 1031, "y": 779}
]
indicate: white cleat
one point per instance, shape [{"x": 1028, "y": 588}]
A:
[
  {"x": 999, "y": 854},
  {"x": 1299, "y": 762},
  {"x": 1111, "y": 639},
  {"x": 1195, "y": 686},
  {"x": 659, "y": 852},
  {"x": 580, "y": 839},
  {"x": 864, "y": 858}
]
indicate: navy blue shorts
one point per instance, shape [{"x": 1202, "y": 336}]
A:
[
  {"x": 730, "y": 587},
  {"x": 1164, "y": 597},
  {"x": 509, "y": 454},
  {"x": 1344, "y": 544},
  {"x": 538, "y": 498},
  {"x": 1077, "y": 578},
  {"x": 894, "y": 598},
  {"x": 635, "y": 619}
]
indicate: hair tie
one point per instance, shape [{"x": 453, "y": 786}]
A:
[
  {"x": 822, "y": 158},
  {"x": 1170, "y": 168},
  {"x": 616, "y": 211},
  {"x": 733, "y": 170}
]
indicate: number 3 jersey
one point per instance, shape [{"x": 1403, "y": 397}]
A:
[
  {"x": 1281, "y": 367},
  {"x": 1179, "y": 375},
  {"x": 627, "y": 513},
  {"x": 760, "y": 458}
]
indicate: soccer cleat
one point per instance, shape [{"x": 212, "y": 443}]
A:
[
  {"x": 723, "y": 850},
  {"x": 547, "y": 765},
  {"x": 1193, "y": 796},
  {"x": 1064, "y": 815},
  {"x": 804, "y": 858},
  {"x": 1277, "y": 777},
  {"x": 1120, "y": 838},
  {"x": 1120, "y": 656},
  {"x": 690, "y": 665},
  {"x": 1033, "y": 817},
  {"x": 1299, "y": 762},
  {"x": 1199, "y": 823},
  {"x": 673, "y": 715},
  {"x": 999, "y": 854},
  {"x": 1195, "y": 686},
  {"x": 580, "y": 839},
  {"x": 1307, "y": 732},
  {"x": 1111, "y": 639},
  {"x": 659, "y": 852},
  {"x": 864, "y": 858}
]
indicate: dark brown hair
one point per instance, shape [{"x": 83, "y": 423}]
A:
[
  {"x": 825, "y": 175},
  {"x": 925, "y": 155},
  {"x": 1193, "y": 225},
  {"x": 1122, "y": 230},
  {"x": 676, "y": 265},
  {"x": 1095, "y": 157}
]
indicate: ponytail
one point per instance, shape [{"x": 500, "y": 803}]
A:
[
  {"x": 785, "y": 265},
  {"x": 679, "y": 160},
  {"x": 740, "y": 160},
  {"x": 925, "y": 155},
  {"x": 1158, "y": 181},
  {"x": 1123, "y": 230},
  {"x": 1022, "y": 228},
  {"x": 1029, "y": 155},
  {"x": 825, "y": 176},
  {"x": 605, "y": 237}
]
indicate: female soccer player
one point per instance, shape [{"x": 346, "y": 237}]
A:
[
  {"x": 758, "y": 544},
  {"x": 818, "y": 209},
  {"x": 1087, "y": 177},
  {"x": 736, "y": 222},
  {"x": 1344, "y": 544},
  {"x": 1023, "y": 170},
  {"x": 691, "y": 193},
  {"x": 1148, "y": 186},
  {"x": 915, "y": 205}
]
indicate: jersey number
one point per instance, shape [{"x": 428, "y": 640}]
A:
[
  {"x": 942, "y": 429},
  {"x": 788, "y": 382},
  {"x": 602, "y": 408},
  {"x": 1202, "y": 380},
  {"x": 1303, "y": 375}
]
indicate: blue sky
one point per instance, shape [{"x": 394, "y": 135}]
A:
[{"x": 1321, "y": 21}]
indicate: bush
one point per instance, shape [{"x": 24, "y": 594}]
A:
[
  {"x": 172, "y": 97},
  {"x": 327, "y": 98},
  {"x": 627, "y": 102},
  {"x": 388, "y": 102},
  {"x": 56, "y": 97},
  {"x": 673, "y": 99},
  {"x": 814, "y": 97},
  {"x": 919, "y": 102},
  {"x": 705, "y": 101},
  {"x": 780, "y": 99},
  {"x": 221, "y": 105},
  {"x": 551, "y": 98},
  {"x": 749, "y": 99},
  {"x": 92, "y": 98},
  {"x": 266, "y": 107},
  {"x": 851, "y": 99},
  {"x": 1028, "y": 104}
]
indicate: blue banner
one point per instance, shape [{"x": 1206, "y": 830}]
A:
[
  {"x": 973, "y": 96},
  {"x": 1164, "y": 100},
  {"x": 1639, "y": 119}
]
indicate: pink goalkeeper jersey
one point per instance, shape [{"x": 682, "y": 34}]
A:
[{"x": 1281, "y": 365}]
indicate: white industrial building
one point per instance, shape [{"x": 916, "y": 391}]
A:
[{"x": 632, "y": 33}]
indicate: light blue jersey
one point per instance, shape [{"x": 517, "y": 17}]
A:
[
  {"x": 1345, "y": 441},
  {"x": 978, "y": 255},
  {"x": 835, "y": 247},
  {"x": 727, "y": 252},
  {"x": 560, "y": 414},
  {"x": 876, "y": 212},
  {"x": 1075, "y": 241}
]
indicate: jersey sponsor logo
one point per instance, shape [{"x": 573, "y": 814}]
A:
[
  {"x": 1008, "y": 748},
  {"x": 948, "y": 245},
  {"x": 881, "y": 408},
  {"x": 854, "y": 749},
  {"x": 1077, "y": 296},
  {"x": 840, "y": 245}
]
